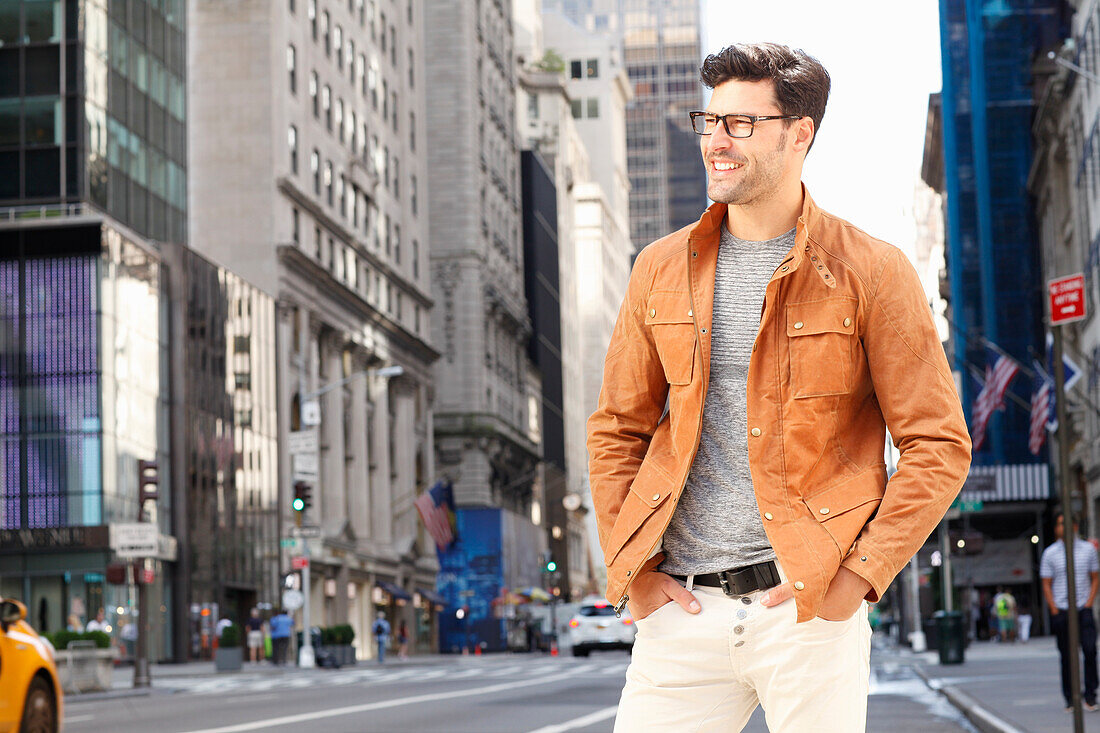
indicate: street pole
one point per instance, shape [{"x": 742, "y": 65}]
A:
[
  {"x": 945, "y": 567},
  {"x": 141, "y": 656},
  {"x": 917, "y": 640},
  {"x": 306, "y": 657},
  {"x": 1069, "y": 536}
]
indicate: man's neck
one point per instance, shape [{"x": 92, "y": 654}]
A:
[{"x": 768, "y": 218}]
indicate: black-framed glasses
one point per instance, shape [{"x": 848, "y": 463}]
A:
[{"x": 736, "y": 125}]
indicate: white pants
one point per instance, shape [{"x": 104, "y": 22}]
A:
[{"x": 709, "y": 671}]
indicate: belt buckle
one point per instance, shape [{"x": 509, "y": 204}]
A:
[{"x": 724, "y": 581}]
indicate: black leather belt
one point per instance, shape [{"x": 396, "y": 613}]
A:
[{"x": 739, "y": 581}]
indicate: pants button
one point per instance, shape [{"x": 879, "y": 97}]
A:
[
  {"x": 742, "y": 614},
  {"x": 740, "y": 643},
  {"x": 746, "y": 600},
  {"x": 738, "y": 629}
]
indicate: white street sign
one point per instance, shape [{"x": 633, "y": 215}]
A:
[
  {"x": 304, "y": 466},
  {"x": 307, "y": 531},
  {"x": 311, "y": 413},
  {"x": 293, "y": 599},
  {"x": 302, "y": 441},
  {"x": 132, "y": 540}
]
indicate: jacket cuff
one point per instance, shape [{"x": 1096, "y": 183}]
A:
[
  {"x": 652, "y": 563},
  {"x": 872, "y": 567}
]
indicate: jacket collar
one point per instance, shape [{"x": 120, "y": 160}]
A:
[{"x": 707, "y": 233}]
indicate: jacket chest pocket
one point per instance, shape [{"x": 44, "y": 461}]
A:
[
  {"x": 820, "y": 337},
  {"x": 669, "y": 318}
]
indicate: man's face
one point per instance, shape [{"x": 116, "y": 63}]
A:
[
  {"x": 1060, "y": 528},
  {"x": 747, "y": 170}
]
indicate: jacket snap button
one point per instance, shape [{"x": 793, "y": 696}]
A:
[
  {"x": 656, "y": 497},
  {"x": 847, "y": 322},
  {"x": 800, "y": 324},
  {"x": 863, "y": 559},
  {"x": 690, "y": 313},
  {"x": 784, "y": 268},
  {"x": 628, "y": 572},
  {"x": 824, "y": 510},
  {"x": 826, "y": 276},
  {"x": 652, "y": 312},
  {"x": 755, "y": 432},
  {"x": 703, "y": 330},
  {"x": 694, "y": 254},
  {"x": 768, "y": 516},
  {"x": 799, "y": 585}
]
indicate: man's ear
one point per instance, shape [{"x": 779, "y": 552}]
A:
[{"x": 804, "y": 134}]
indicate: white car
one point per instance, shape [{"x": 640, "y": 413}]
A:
[{"x": 595, "y": 626}]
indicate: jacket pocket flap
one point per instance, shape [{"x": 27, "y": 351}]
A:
[
  {"x": 668, "y": 307},
  {"x": 648, "y": 491},
  {"x": 862, "y": 488},
  {"x": 829, "y": 315}
]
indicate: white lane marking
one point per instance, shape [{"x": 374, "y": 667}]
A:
[
  {"x": 581, "y": 722},
  {"x": 303, "y": 717},
  {"x": 78, "y": 718}
]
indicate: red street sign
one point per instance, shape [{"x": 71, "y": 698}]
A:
[
  {"x": 1067, "y": 299},
  {"x": 299, "y": 563}
]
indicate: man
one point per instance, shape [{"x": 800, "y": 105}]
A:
[
  {"x": 281, "y": 625},
  {"x": 1086, "y": 578},
  {"x": 745, "y": 524},
  {"x": 255, "y": 626},
  {"x": 381, "y": 631},
  {"x": 99, "y": 623}
]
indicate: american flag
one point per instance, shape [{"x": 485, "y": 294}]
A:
[
  {"x": 436, "y": 507},
  {"x": 999, "y": 371},
  {"x": 1042, "y": 410}
]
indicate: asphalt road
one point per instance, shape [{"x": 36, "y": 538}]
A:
[{"x": 494, "y": 694}]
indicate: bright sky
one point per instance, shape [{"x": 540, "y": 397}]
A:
[{"x": 883, "y": 65}]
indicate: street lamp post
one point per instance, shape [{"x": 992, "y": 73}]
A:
[{"x": 306, "y": 656}]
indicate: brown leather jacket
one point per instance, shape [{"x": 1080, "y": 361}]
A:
[{"x": 846, "y": 347}]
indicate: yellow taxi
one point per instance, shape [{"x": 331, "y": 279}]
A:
[{"x": 30, "y": 692}]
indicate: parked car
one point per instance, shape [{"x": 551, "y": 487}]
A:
[
  {"x": 595, "y": 626},
  {"x": 30, "y": 692}
]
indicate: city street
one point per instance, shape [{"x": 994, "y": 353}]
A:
[{"x": 505, "y": 694}]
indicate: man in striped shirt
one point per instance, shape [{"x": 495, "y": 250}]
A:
[{"x": 1052, "y": 570}]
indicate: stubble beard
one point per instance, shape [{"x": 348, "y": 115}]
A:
[{"x": 761, "y": 181}]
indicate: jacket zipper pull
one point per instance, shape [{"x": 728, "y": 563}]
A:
[{"x": 620, "y": 606}]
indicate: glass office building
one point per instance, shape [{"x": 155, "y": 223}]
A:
[{"x": 996, "y": 288}]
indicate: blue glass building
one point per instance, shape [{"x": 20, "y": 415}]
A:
[{"x": 996, "y": 288}]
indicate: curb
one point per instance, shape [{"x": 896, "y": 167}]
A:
[
  {"x": 983, "y": 720},
  {"x": 72, "y": 698}
]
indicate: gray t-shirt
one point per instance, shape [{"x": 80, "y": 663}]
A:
[{"x": 716, "y": 525}]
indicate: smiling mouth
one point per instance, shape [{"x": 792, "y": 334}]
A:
[{"x": 722, "y": 166}]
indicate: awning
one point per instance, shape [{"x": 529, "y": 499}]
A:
[
  {"x": 1017, "y": 482},
  {"x": 432, "y": 597},
  {"x": 394, "y": 590}
]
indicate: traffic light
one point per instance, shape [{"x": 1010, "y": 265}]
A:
[
  {"x": 148, "y": 480},
  {"x": 303, "y": 496},
  {"x": 551, "y": 566}
]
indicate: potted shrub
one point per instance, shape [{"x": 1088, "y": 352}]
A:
[
  {"x": 84, "y": 660},
  {"x": 229, "y": 656}
]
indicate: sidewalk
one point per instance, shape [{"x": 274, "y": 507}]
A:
[{"x": 1005, "y": 688}]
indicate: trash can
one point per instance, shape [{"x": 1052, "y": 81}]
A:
[{"x": 951, "y": 636}]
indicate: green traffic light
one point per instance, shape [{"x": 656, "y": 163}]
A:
[
  {"x": 298, "y": 504},
  {"x": 551, "y": 566}
]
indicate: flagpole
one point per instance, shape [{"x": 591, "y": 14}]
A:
[{"x": 1069, "y": 536}]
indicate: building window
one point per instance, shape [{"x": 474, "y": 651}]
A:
[
  {"x": 325, "y": 35},
  {"x": 576, "y": 69},
  {"x": 290, "y": 5},
  {"x": 396, "y": 178},
  {"x": 592, "y": 68},
  {"x": 386, "y": 166},
  {"x": 338, "y": 45},
  {"x": 413, "y": 194},
  {"x": 351, "y": 127},
  {"x": 397, "y": 243},
  {"x": 351, "y": 60},
  {"x": 382, "y": 24},
  {"x": 340, "y": 120},
  {"x": 372, "y": 86},
  {"x": 315, "y": 168},
  {"x": 577, "y": 108},
  {"x": 359, "y": 7},
  {"x": 416, "y": 259},
  {"x": 294, "y": 223},
  {"x": 313, "y": 84},
  {"x": 326, "y": 105},
  {"x": 361, "y": 74},
  {"x": 532, "y": 106},
  {"x": 393, "y": 46},
  {"x": 341, "y": 184},
  {"x": 292, "y": 143},
  {"x": 593, "y": 108},
  {"x": 317, "y": 242},
  {"x": 412, "y": 67},
  {"x": 313, "y": 18},
  {"x": 412, "y": 131},
  {"x": 292, "y": 68},
  {"x": 393, "y": 109},
  {"x": 328, "y": 182}
]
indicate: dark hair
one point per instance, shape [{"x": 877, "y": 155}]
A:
[
  {"x": 801, "y": 83},
  {"x": 1060, "y": 513}
]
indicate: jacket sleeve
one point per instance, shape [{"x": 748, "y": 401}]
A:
[
  {"x": 920, "y": 404},
  {"x": 631, "y": 402}
]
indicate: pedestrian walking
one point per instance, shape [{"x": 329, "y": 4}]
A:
[
  {"x": 1086, "y": 576},
  {"x": 403, "y": 640},
  {"x": 746, "y": 525},
  {"x": 255, "y": 627},
  {"x": 381, "y": 631},
  {"x": 1023, "y": 622},
  {"x": 280, "y": 627},
  {"x": 1004, "y": 608},
  {"x": 99, "y": 623}
]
